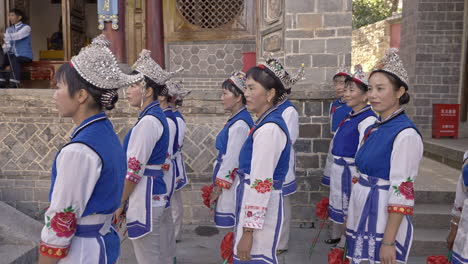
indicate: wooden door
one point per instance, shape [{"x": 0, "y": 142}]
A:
[
  {"x": 74, "y": 26},
  {"x": 270, "y": 28}
]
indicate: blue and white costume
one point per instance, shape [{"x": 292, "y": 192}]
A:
[
  {"x": 388, "y": 163},
  {"x": 181, "y": 179},
  {"x": 148, "y": 165},
  {"x": 229, "y": 142},
  {"x": 343, "y": 170},
  {"x": 86, "y": 187},
  {"x": 338, "y": 111},
  {"x": 460, "y": 209},
  {"x": 291, "y": 118},
  {"x": 263, "y": 165}
]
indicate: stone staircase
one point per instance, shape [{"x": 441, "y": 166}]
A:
[
  {"x": 435, "y": 193},
  {"x": 431, "y": 221}
]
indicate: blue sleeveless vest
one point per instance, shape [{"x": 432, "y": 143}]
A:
[
  {"x": 338, "y": 111},
  {"x": 373, "y": 157},
  {"x": 22, "y": 47},
  {"x": 168, "y": 112},
  {"x": 346, "y": 139},
  {"x": 272, "y": 115},
  {"x": 158, "y": 156},
  {"x": 97, "y": 133},
  {"x": 284, "y": 105},
  {"x": 178, "y": 114},
  {"x": 223, "y": 136}
]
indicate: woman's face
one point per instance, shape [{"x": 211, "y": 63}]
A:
[
  {"x": 339, "y": 84},
  {"x": 257, "y": 97},
  {"x": 134, "y": 94},
  {"x": 230, "y": 100},
  {"x": 353, "y": 95},
  {"x": 66, "y": 105},
  {"x": 382, "y": 96}
]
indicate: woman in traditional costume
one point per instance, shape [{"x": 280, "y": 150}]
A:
[
  {"x": 291, "y": 117},
  {"x": 147, "y": 192},
  {"x": 263, "y": 165},
  {"x": 457, "y": 240},
  {"x": 350, "y": 132},
  {"x": 181, "y": 175},
  {"x": 88, "y": 172},
  {"x": 229, "y": 142},
  {"x": 338, "y": 111},
  {"x": 379, "y": 228}
]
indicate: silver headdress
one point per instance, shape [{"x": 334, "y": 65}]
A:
[
  {"x": 97, "y": 64},
  {"x": 342, "y": 71},
  {"x": 238, "y": 79},
  {"x": 175, "y": 89},
  {"x": 392, "y": 64},
  {"x": 360, "y": 76},
  {"x": 275, "y": 67},
  {"x": 147, "y": 66}
]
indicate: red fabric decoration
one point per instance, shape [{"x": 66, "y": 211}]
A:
[
  {"x": 335, "y": 256},
  {"x": 64, "y": 223},
  {"x": 437, "y": 260},
  {"x": 227, "y": 246},
  {"x": 207, "y": 190},
  {"x": 321, "y": 208}
]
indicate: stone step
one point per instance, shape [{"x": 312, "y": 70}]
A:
[
  {"x": 447, "y": 151},
  {"x": 429, "y": 241},
  {"x": 432, "y": 215},
  {"x": 434, "y": 197}
]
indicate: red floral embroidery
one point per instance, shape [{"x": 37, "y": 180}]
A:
[
  {"x": 263, "y": 186},
  {"x": 156, "y": 198},
  {"x": 63, "y": 223},
  {"x": 406, "y": 189},
  {"x": 355, "y": 180},
  {"x": 134, "y": 164}
]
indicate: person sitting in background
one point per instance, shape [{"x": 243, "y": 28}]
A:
[{"x": 17, "y": 48}]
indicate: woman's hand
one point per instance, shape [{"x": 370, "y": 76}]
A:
[
  {"x": 215, "y": 194},
  {"x": 387, "y": 254},
  {"x": 245, "y": 246},
  {"x": 118, "y": 213},
  {"x": 451, "y": 238}
]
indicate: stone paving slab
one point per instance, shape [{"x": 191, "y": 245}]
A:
[
  {"x": 435, "y": 176},
  {"x": 195, "y": 249}
]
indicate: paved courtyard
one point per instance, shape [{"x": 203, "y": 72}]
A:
[{"x": 196, "y": 249}]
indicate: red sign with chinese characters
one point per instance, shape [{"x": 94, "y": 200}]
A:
[{"x": 445, "y": 120}]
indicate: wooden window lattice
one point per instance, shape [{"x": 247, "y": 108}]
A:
[{"x": 210, "y": 14}]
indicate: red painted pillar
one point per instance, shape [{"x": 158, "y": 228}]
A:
[
  {"x": 155, "y": 30},
  {"x": 117, "y": 37}
]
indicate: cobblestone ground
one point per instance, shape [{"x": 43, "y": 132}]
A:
[{"x": 196, "y": 249}]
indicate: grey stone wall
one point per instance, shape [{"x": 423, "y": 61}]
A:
[
  {"x": 317, "y": 33},
  {"x": 431, "y": 48}
]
